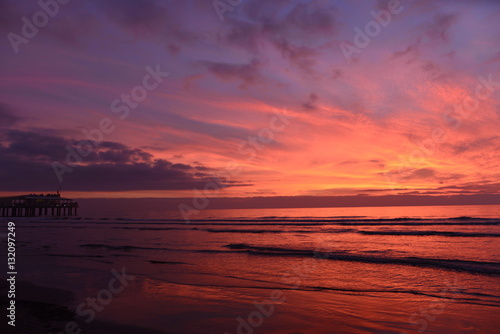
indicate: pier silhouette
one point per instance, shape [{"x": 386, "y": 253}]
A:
[{"x": 37, "y": 205}]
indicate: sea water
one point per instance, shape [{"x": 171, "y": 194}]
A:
[{"x": 314, "y": 270}]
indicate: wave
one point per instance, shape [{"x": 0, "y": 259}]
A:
[
  {"x": 478, "y": 267},
  {"x": 128, "y": 248},
  {"x": 82, "y": 256},
  {"x": 349, "y": 219},
  {"x": 409, "y": 233},
  {"x": 275, "y": 231},
  {"x": 430, "y": 233},
  {"x": 167, "y": 262},
  {"x": 306, "y": 223},
  {"x": 154, "y": 228},
  {"x": 124, "y": 248},
  {"x": 455, "y": 293},
  {"x": 296, "y": 221},
  {"x": 310, "y": 217}
]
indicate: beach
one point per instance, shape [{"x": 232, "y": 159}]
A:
[{"x": 261, "y": 271}]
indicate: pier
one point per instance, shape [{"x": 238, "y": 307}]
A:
[{"x": 34, "y": 205}]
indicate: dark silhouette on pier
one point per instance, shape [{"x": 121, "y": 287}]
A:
[{"x": 34, "y": 205}]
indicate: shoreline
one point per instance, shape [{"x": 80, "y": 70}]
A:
[{"x": 48, "y": 310}]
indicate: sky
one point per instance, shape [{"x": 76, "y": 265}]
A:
[{"x": 145, "y": 98}]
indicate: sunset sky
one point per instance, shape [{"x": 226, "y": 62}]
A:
[{"x": 269, "y": 98}]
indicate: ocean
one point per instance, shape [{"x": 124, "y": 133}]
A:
[{"x": 315, "y": 270}]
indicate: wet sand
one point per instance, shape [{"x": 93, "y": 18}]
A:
[{"x": 47, "y": 310}]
